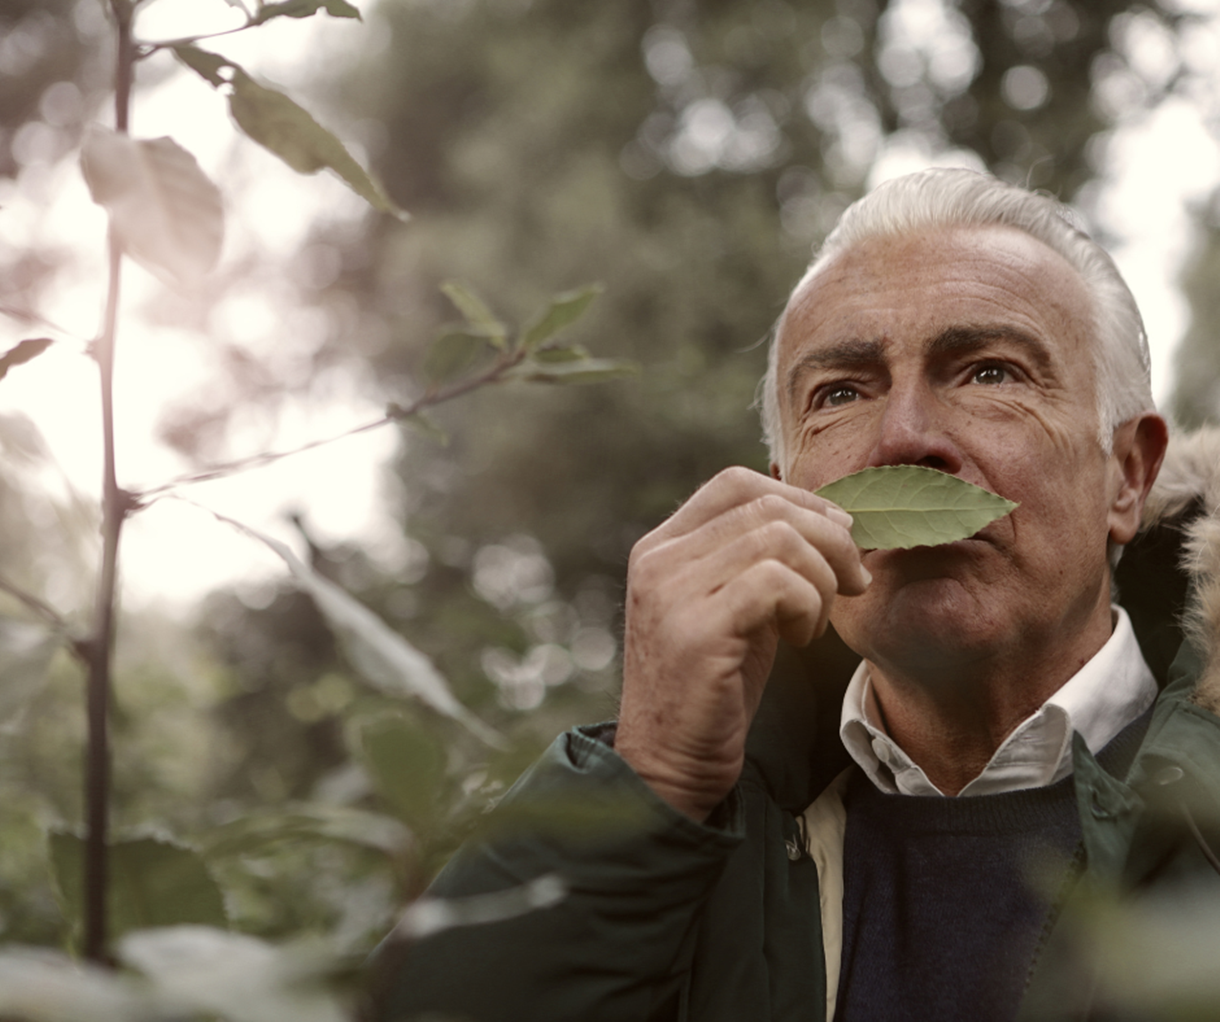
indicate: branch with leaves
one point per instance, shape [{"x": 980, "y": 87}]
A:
[{"x": 167, "y": 215}]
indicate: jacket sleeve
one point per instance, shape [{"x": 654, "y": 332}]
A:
[{"x": 637, "y": 873}]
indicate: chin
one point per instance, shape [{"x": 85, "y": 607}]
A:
[{"x": 929, "y": 612}]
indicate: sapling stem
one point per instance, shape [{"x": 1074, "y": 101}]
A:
[{"x": 115, "y": 505}]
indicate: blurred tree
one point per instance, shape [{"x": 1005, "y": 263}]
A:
[
  {"x": 688, "y": 157},
  {"x": 1197, "y": 397}
]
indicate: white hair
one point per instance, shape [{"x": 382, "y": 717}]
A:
[{"x": 962, "y": 198}]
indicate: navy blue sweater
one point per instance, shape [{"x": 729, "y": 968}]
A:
[{"x": 946, "y": 900}]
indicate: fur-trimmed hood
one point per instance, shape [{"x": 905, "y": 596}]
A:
[{"x": 1186, "y": 499}]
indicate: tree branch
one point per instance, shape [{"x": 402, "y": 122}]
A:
[
  {"x": 395, "y": 413},
  {"x": 32, "y": 602},
  {"x": 115, "y": 505}
]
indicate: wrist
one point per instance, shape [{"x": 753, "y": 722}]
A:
[{"x": 692, "y": 795}]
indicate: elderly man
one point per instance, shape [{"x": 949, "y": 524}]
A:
[{"x": 894, "y": 835}]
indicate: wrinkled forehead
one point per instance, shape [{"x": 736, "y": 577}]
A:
[{"x": 990, "y": 271}]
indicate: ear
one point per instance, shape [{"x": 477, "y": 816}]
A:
[
  {"x": 776, "y": 474},
  {"x": 1139, "y": 447}
]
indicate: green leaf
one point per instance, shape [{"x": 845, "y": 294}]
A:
[
  {"x": 22, "y": 352},
  {"x": 455, "y": 351},
  {"x": 307, "y": 821},
  {"x": 407, "y": 766},
  {"x": 381, "y": 656},
  {"x": 165, "y": 210},
  {"x": 564, "y": 310},
  {"x": 204, "y": 63},
  {"x": 305, "y": 9},
  {"x": 560, "y": 353},
  {"x": 277, "y": 123},
  {"x": 903, "y": 506},
  {"x": 586, "y": 370},
  {"x": 153, "y": 882},
  {"x": 420, "y": 420},
  {"x": 477, "y": 314}
]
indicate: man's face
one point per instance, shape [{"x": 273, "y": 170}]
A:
[{"x": 967, "y": 350}]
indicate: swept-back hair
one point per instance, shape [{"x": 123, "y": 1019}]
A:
[{"x": 945, "y": 197}]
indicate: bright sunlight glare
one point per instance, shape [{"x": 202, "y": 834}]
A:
[{"x": 174, "y": 552}]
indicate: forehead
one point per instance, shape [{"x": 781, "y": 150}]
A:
[{"x": 916, "y": 286}]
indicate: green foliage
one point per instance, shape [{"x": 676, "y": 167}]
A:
[
  {"x": 564, "y": 310},
  {"x": 304, "y": 9},
  {"x": 407, "y": 766},
  {"x": 281, "y": 125},
  {"x": 478, "y": 315},
  {"x": 287, "y": 129},
  {"x": 153, "y": 882},
  {"x": 903, "y": 506},
  {"x": 456, "y": 352}
]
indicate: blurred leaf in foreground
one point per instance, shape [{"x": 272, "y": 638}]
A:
[
  {"x": 153, "y": 882},
  {"x": 407, "y": 766},
  {"x": 22, "y": 352},
  {"x": 381, "y": 656},
  {"x": 432, "y": 915},
  {"x": 258, "y": 833},
  {"x": 25, "y": 655},
  {"x": 164, "y": 209},
  {"x": 41, "y": 985},
  {"x": 200, "y": 972},
  {"x": 304, "y": 9}
]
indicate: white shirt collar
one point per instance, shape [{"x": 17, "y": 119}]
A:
[{"x": 1099, "y": 700}]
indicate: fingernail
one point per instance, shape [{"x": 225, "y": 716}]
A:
[
  {"x": 840, "y": 516},
  {"x": 868, "y": 575}
]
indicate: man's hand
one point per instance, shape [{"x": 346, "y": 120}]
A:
[{"x": 746, "y": 561}]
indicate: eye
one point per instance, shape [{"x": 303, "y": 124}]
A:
[
  {"x": 835, "y": 395},
  {"x": 990, "y": 373}
]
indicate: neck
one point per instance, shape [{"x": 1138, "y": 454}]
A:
[{"x": 952, "y": 718}]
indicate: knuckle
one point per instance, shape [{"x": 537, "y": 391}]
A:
[
  {"x": 778, "y": 536},
  {"x": 771, "y": 505},
  {"x": 735, "y": 478},
  {"x": 644, "y": 565}
]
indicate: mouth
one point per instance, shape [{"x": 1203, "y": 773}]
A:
[{"x": 929, "y": 561}]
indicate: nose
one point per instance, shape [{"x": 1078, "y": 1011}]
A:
[{"x": 912, "y": 430}]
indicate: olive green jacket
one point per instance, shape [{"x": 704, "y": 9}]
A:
[{"x": 669, "y": 919}]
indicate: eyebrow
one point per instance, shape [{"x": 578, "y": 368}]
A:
[
  {"x": 963, "y": 339},
  {"x": 852, "y": 354}
]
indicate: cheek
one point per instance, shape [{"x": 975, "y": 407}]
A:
[{"x": 820, "y": 456}]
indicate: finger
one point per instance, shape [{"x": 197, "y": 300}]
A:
[
  {"x": 737, "y": 486},
  {"x": 771, "y": 594},
  {"x": 771, "y": 526},
  {"x": 777, "y": 541}
]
